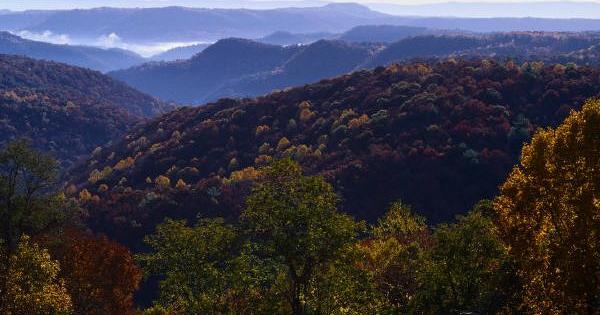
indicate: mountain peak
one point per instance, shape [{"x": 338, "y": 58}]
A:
[{"x": 348, "y": 7}]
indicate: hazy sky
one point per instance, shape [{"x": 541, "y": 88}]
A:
[
  {"x": 69, "y": 4},
  {"x": 462, "y": 8}
]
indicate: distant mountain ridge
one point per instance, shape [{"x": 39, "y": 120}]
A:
[
  {"x": 191, "y": 24},
  {"x": 212, "y": 74},
  {"x": 239, "y": 67},
  {"x": 539, "y": 9},
  {"x": 287, "y": 38},
  {"x": 89, "y": 57},
  {"x": 180, "y": 53},
  {"x": 170, "y": 24}
]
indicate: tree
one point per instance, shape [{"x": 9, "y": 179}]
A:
[
  {"x": 194, "y": 263},
  {"x": 394, "y": 253},
  {"x": 100, "y": 274},
  {"x": 293, "y": 218},
  {"x": 343, "y": 286},
  {"x": 468, "y": 269},
  {"x": 32, "y": 283},
  {"x": 549, "y": 215},
  {"x": 29, "y": 200}
]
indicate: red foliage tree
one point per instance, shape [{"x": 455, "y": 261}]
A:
[{"x": 101, "y": 274}]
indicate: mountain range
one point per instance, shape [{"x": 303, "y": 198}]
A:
[
  {"x": 89, "y": 57},
  {"x": 173, "y": 24},
  {"x": 262, "y": 68},
  {"x": 240, "y": 67},
  {"x": 179, "y": 53},
  {"x": 474, "y": 9}
]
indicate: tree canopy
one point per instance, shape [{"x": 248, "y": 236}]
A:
[{"x": 549, "y": 215}]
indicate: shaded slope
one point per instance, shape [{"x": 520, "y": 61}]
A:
[
  {"x": 66, "y": 110},
  {"x": 194, "y": 80}
]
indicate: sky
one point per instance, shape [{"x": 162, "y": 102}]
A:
[{"x": 71, "y": 4}]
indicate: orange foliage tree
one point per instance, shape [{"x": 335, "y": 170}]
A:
[
  {"x": 100, "y": 274},
  {"x": 549, "y": 215}
]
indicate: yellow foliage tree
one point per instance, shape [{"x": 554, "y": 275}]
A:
[
  {"x": 95, "y": 176},
  {"x": 549, "y": 215},
  {"x": 357, "y": 122},
  {"x": 85, "y": 195},
  {"x": 181, "y": 185},
  {"x": 162, "y": 181},
  {"x": 262, "y": 129},
  {"x": 32, "y": 283},
  {"x": 125, "y": 163},
  {"x": 283, "y": 144},
  {"x": 246, "y": 174}
]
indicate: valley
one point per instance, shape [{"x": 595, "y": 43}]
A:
[{"x": 299, "y": 157}]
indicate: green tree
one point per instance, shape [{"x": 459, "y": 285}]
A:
[
  {"x": 468, "y": 269},
  {"x": 293, "y": 219},
  {"x": 549, "y": 214},
  {"x": 394, "y": 253},
  {"x": 344, "y": 286},
  {"x": 195, "y": 264},
  {"x": 26, "y": 177}
]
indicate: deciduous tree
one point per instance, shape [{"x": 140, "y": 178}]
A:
[
  {"x": 549, "y": 215},
  {"x": 293, "y": 218}
]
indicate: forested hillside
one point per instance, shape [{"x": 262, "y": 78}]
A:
[
  {"x": 439, "y": 136},
  {"x": 65, "y": 110}
]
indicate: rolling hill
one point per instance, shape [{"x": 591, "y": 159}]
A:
[
  {"x": 287, "y": 38},
  {"x": 196, "y": 79},
  {"x": 212, "y": 74},
  {"x": 450, "y": 129},
  {"x": 65, "y": 110},
  {"x": 89, "y": 57},
  {"x": 179, "y": 53}
]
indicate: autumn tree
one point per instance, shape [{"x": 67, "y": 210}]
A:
[
  {"x": 100, "y": 274},
  {"x": 293, "y": 219},
  {"x": 30, "y": 203},
  {"x": 549, "y": 215},
  {"x": 32, "y": 283}
]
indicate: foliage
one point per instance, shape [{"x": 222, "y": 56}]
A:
[
  {"x": 294, "y": 219},
  {"x": 195, "y": 263},
  {"x": 549, "y": 211},
  {"x": 100, "y": 275},
  {"x": 438, "y": 135},
  {"x": 32, "y": 282},
  {"x": 468, "y": 269},
  {"x": 66, "y": 110},
  {"x": 292, "y": 252},
  {"x": 29, "y": 200},
  {"x": 394, "y": 255}
]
